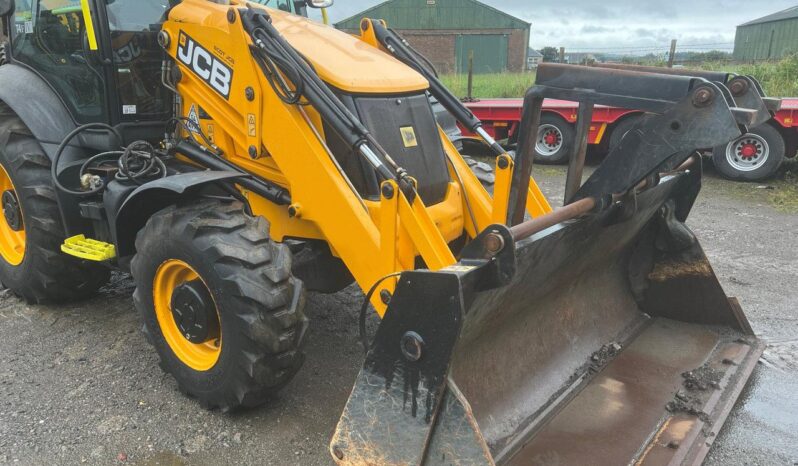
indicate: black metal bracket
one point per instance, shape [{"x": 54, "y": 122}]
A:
[{"x": 685, "y": 113}]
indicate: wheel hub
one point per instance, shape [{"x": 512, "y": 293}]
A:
[
  {"x": 747, "y": 153},
  {"x": 748, "y": 150},
  {"x": 11, "y": 211},
  {"x": 549, "y": 140},
  {"x": 194, "y": 312}
]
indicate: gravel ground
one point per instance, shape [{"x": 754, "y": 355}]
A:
[{"x": 79, "y": 384}]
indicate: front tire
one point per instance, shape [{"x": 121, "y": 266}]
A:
[
  {"x": 237, "y": 338},
  {"x": 31, "y": 232},
  {"x": 483, "y": 171},
  {"x": 754, "y": 156}
]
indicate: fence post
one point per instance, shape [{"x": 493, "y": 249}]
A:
[
  {"x": 470, "y": 74},
  {"x": 562, "y": 54},
  {"x": 672, "y": 55}
]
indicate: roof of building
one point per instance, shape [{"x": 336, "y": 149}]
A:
[
  {"x": 534, "y": 53},
  {"x": 789, "y": 13},
  {"x": 436, "y": 14}
]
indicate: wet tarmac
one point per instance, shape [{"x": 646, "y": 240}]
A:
[{"x": 80, "y": 385}]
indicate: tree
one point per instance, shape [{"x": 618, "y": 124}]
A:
[{"x": 549, "y": 54}]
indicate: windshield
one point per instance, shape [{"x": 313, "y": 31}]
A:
[
  {"x": 285, "y": 5},
  {"x": 139, "y": 15}
]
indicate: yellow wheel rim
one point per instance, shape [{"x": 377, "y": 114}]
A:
[
  {"x": 12, "y": 241},
  {"x": 198, "y": 356}
]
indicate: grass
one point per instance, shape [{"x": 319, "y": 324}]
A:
[
  {"x": 486, "y": 86},
  {"x": 781, "y": 194},
  {"x": 778, "y": 79},
  {"x": 784, "y": 195}
]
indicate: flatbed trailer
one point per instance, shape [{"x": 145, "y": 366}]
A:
[{"x": 755, "y": 156}]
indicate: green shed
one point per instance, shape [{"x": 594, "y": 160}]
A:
[
  {"x": 769, "y": 37},
  {"x": 447, "y": 32}
]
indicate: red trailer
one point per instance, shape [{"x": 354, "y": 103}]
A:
[{"x": 755, "y": 156}]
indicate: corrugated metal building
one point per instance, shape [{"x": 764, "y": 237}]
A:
[
  {"x": 446, "y": 31},
  {"x": 772, "y": 36}
]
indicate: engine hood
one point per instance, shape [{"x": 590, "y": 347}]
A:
[{"x": 346, "y": 62}]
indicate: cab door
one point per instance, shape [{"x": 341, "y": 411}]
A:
[
  {"x": 137, "y": 59},
  {"x": 105, "y": 63}
]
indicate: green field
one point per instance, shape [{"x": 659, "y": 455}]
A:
[{"x": 779, "y": 79}]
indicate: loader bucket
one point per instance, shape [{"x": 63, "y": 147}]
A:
[{"x": 596, "y": 335}]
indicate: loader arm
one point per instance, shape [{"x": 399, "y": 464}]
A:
[{"x": 251, "y": 86}]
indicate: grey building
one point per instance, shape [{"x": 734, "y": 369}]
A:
[
  {"x": 533, "y": 59},
  {"x": 770, "y": 37},
  {"x": 447, "y": 32}
]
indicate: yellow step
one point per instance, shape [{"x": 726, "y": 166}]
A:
[{"x": 88, "y": 249}]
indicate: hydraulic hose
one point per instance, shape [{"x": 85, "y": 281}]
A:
[
  {"x": 60, "y": 152},
  {"x": 402, "y": 50},
  {"x": 274, "y": 53}
]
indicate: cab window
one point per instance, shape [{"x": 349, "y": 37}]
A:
[
  {"x": 134, "y": 26},
  {"x": 296, "y": 7},
  {"x": 50, "y": 37}
]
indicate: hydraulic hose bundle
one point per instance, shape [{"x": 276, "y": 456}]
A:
[{"x": 137, "y": 163}]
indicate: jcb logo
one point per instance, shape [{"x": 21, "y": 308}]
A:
[
  {"x": 205, "y": 65},
  {"x": 127, "y": 53}
]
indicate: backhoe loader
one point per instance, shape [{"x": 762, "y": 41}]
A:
[{"x": 231, "y": 155}]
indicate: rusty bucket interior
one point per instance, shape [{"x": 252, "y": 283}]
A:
[{"x": 614, "y": 343}]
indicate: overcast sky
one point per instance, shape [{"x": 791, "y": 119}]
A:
[{"x": 621, "y": 25}]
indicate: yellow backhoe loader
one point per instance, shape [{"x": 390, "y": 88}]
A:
[{"x": 232, "y": 154}]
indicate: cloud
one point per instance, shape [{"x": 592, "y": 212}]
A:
[
  {"x": 621, "y": 24},
  {"x": 593, "y": 29}
]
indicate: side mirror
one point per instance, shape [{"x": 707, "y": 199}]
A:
[
  {"x": 7, "y": 7},
  {"x": 313, "y": 3}
]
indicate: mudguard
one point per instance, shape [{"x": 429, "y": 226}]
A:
[
  {"x": 35, "y": 102},
  {"x": 139, "y": 205}
]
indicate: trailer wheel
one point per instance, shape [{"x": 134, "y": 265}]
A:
[
  {"x": 754, "y": 156},
  {"x": 219, "y": 303},
  {"x": 555, "y": 140},
  {"x": 620, "y": 129},
  {"x": 31, "y": 263}
]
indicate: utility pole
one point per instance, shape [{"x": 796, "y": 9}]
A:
[
  {"x": 672, "y": 55},
  {"x": 562, "y": 54}
]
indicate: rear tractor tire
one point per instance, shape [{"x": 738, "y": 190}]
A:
[
  {"x": 219, "y": 303},
  {"x": 32, "y": 265}
]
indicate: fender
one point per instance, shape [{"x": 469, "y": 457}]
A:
[
  {"x": 49, "y": 121},
  {"x": 35, "y": 102},
  {"x": 146, "y": 200}
]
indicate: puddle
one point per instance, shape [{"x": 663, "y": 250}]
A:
[
  {"x": 764, "y": 423},
  {"x": 781, "y": 354}
]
